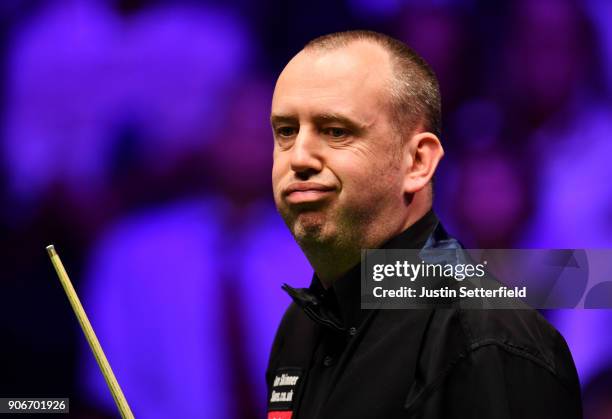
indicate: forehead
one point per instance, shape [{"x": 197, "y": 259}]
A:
[{"x": 353, "y": 79}]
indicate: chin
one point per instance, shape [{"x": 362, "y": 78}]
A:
[{"x": 310, "y": 227}]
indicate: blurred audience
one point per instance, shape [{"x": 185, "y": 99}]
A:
[
  {"x": 136, "y": 137},
  {"x": 184, "y": 293}
]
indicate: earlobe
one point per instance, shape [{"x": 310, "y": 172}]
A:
[{"x": 425, "y": 153}]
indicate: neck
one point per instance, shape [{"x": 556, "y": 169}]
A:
[{"x": 331, "y": 262}]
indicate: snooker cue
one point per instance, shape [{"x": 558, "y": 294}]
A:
[{"x": 94, "y": 344}]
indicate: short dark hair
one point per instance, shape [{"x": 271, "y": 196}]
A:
[{"x": 415, "y": 92}]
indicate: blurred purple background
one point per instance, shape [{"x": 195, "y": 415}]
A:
[{"x": 135, "y": 138}]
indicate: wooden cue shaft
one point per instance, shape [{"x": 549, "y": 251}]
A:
[{"x": 105, "y": 367}]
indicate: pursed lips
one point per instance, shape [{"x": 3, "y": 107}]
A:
[{"x": 301, "y": 192}]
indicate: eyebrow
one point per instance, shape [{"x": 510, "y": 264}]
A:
[
  {"x": 277, "y": 119},
  {"x": 322, "y": 119}
]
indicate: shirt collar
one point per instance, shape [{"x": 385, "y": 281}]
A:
[{"x": 339, "y": 306}]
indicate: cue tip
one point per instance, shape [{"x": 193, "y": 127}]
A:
[{"x": 51, "y": 250}]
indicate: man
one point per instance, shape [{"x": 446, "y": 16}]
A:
[{"x": 356, "y": 119}]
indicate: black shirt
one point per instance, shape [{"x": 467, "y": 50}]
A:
[{"x": 330, "y": 359}]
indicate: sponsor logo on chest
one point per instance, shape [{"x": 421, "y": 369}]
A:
[{"x": 282, "y": 395}]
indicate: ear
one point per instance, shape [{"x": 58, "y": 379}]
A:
[{"x": 425, "y": 152}]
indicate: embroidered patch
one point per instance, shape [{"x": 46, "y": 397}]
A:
[{"x": 284, "y": 392}]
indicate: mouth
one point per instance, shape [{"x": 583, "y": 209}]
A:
[{"x": 305, "y": 192}]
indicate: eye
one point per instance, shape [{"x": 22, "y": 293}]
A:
[
  {"x": 336, "y": 132},
  {"x": 286, "y": 131}
]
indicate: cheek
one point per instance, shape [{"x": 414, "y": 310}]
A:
[
  {"x": 360, "y": 174},
  {"x": 369, "y": 181}
]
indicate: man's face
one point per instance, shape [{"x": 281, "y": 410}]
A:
[{"x": 337, "y": 173}]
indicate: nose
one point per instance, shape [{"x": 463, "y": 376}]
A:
[{"x": 306, "y": 154}]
